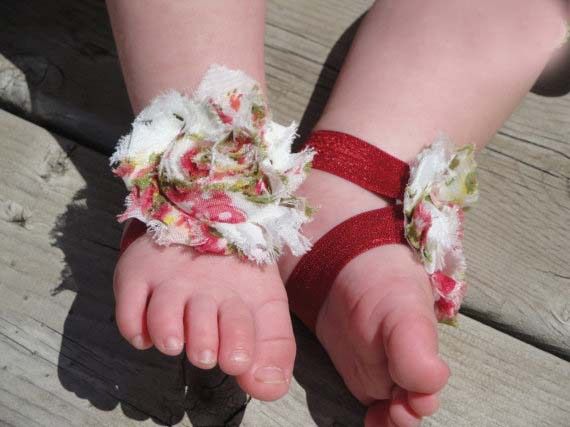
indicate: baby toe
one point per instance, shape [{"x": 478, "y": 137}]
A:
[
  {"x": 131, "y": 298},
  {"x": 237, "y": 336},
  {"x": 165, "y": 319},
  {"x": 270, "y": 375},
  {"x": 201, "y": 327}
]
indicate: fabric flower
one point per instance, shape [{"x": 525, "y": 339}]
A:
[
  {"x": 213, "y": 171},
  {"x": 442, "y": 183},
  {"x": 448, "y": 294}
]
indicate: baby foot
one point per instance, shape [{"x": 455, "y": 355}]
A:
[
  {"x": 227, "y": 312},
  {"x": 377, "y": 323}
]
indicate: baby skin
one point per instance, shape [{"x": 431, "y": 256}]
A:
[{"x": 377, "y": 323}]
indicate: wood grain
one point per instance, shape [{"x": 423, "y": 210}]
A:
[{"x": 62, "y": 361}]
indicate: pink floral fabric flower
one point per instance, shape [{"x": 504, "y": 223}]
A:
[
  {"x": 442, "y": 183},
  {"x": 214, "y": 172}
]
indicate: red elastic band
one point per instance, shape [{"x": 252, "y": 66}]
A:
[
  {"x": 357, "y": 161},
  {"x": 314, "y": 274},
  {"x": 373, "y": 169},
  {"x": 132, "y": 231}
]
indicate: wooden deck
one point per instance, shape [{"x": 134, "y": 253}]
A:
[{"x": 62, "y": 361}]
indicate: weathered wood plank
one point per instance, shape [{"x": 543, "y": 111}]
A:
[
  {"x": 499, "y": 381},
  {"x": 63, "y": 362},
  {"x": 518, "y": 246},
  {"x": 60, "y": 69},
  {"x": 75, "y": 85}
]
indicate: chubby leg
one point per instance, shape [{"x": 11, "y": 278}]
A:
[
  {"x": 415, "y": 69},
  {"x": 224, "y": 311},
  {"x": 170, "y": 44}
]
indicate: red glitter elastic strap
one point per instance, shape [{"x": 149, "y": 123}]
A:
[
  {"x": 373, "y": 169},
  {"x": 132, "y": 231}
]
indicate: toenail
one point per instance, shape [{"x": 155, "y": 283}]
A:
[
  {"x": 240, "y": 356},
  {"x": 207, "y": 358},
  {"x": 138, "y": 342},
  {"x": 173, "y": 344},
  {"x": 270, "y": 375}
]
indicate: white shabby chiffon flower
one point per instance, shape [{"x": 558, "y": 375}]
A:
[
  {"x": 213, "y": 171},
  {"x": 442, "y": 183}
]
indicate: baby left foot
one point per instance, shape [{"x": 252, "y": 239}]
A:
[{"x": 227, "y": 312}]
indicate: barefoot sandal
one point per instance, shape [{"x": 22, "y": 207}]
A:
[
  {"x": 440, "y": 183},
  {"x": 212, "y": 171}
]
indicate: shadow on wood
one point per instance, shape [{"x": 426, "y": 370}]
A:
[
  {"x": 74, "y": 81},
  {"x": 326, "y": 80},
  {"x": 556, "y": 80}
]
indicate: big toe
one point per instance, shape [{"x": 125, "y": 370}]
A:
[
  {"x": 270, "y": 374},
  {"x": 237, "y": 336},
  {"x": 411, "y": 343}
]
